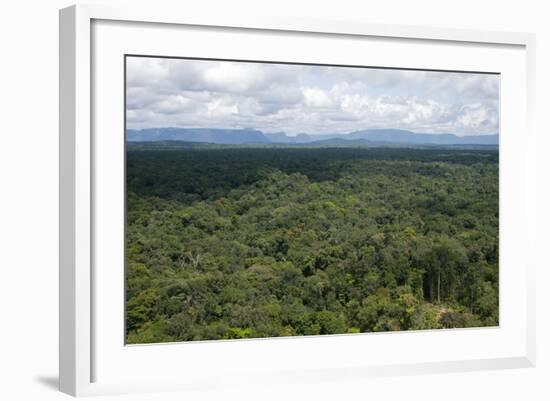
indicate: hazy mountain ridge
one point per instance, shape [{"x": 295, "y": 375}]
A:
[
  {"x": 252, "y": 136},
  {"x": 209, "y": 135}
]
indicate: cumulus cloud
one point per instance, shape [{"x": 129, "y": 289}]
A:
[{"x": 271, "y": 97}]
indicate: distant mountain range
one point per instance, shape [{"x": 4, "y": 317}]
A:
[
  {"x": 209, "y": 135},
  {"x": 255, "y": 137}
]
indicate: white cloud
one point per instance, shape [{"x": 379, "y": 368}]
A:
[
  {"x": 221, "y": 107},
  {"x": 317, "y": 98},
  {"x": 233, "y": 77},
  {"x": 313, "y": 99}
]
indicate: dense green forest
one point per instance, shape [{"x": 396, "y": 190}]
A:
[{"x": 229, "y": 242}]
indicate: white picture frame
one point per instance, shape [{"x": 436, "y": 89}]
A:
[{"x": 85, "y": 350}]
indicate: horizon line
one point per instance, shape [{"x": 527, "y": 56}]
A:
[{"x": 314, "y": 134}]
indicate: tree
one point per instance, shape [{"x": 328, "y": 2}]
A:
[{"x": 237, "y": 242}]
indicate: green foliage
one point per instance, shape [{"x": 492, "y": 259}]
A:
[
  {"x": 235, "y": 243},
  {"x": 149, "y": 332},
  {"x": 331, "y": 322},
  {"x": 454, "y": 319}
]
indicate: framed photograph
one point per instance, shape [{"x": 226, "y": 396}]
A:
[{"x": 273, "y": 201}]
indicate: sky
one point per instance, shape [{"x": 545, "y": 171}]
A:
[{"x": 312, "y": 99}]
